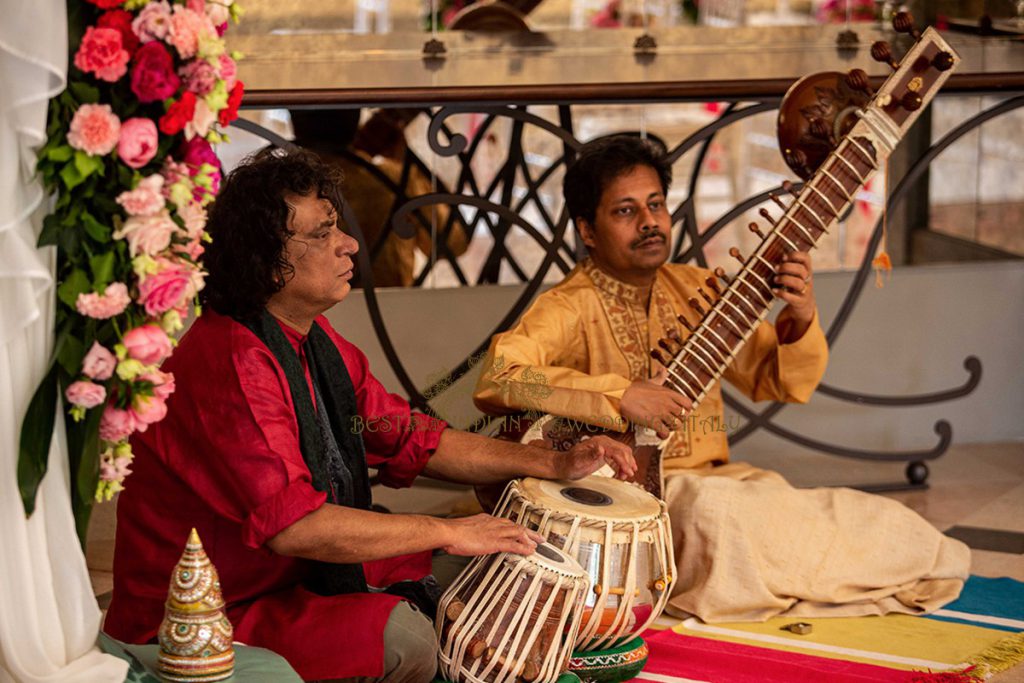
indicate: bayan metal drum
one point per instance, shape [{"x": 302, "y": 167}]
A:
[
  {"x": 619, "y": 534},
  {"x": 510, "y": 617}
]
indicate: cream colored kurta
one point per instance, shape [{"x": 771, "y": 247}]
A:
[
  {"x": 748, "y": 545},
  {"x": 582, "y": 343}
]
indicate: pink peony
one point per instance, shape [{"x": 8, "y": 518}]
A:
[
  {"x": 114, "y": 469},
  {"x": 194, "y": 216},
  {"x": 170, "y": 287},
  {"x": 187, "y": 26},
  {"x": 102, "y": 306},
  {"x": 153, "y": 21},
  {"x": 199, "y": 76},
  {"x": 163, "y": 383},
  {"x": 228, "y": 71},
  {"x": 147, "y": 234},
  {"x": 138, "y": 142},
  {"x": 195, "y": 153},
  {"x": 147, "y": 344},
  {"x": 147, "y": 410},
  {"x": 99, "y": 363},
  {"x": 85, "y": 394},
  {"x": 116, "y": 424},
  {"x": 101, "y": 53},
  {"x": 153, "y": 77},
  {"x": 146, "y": 199},
  {"x": 94, "y": 129}
]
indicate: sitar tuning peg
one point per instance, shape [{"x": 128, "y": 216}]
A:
[
  {"x": 775, "y": 198},
  {"x": 820, "y": 129},
  {"x": 674, "y": 335},
  {"x": 756, "y": 230},
  {"x": 735, "y": 253},
  {"x": 943, "y": 61},
  {"x": 685, "y": 323},
  {"x": 704, "y": 295},
  {"x": 720, "y": 274},
  {"x": 656, "y": 355},
  {"x": 911, "y": 101},
  {"x": 767, "y": 216},
  {"x": 695, "y": 305},
  {"x": 787, "y": 187},
  {"x": 880, "y": 52},
  {"x": 903, "y": 22},
  {"x": 712, "y": 283},
  {"x": 857, "y": 79}
]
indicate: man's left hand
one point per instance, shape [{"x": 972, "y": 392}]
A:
[
  {"x": 795, "y": 282},
  {"x": 588, "y": 456}
]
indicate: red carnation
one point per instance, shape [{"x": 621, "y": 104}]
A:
[
  {"x": 121, "y": 20},
  {"x": 179, "y": 114},
  {"x": 230, "y": 112},
  {"x": 106, "y": 4},
  {"x": 153, "y": 76}
]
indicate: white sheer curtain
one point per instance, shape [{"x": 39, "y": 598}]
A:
[{"x": 48, "y": 616}]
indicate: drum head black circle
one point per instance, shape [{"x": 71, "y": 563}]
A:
[
  {"x": 548, "y": 553},
  {"x": 584, "y": 496}
]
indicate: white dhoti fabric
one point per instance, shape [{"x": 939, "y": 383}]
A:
[
  {"x": 750, "y": 547},
  {"x": 49, "y": 619}
]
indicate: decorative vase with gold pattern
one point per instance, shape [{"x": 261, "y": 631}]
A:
[{"x": 195, "y": 635}]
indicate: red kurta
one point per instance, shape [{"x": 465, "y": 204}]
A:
[{"x": 226, "y": 461}]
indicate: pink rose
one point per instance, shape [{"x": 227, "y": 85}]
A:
[
  {"x": 101, "y": 53},
  {"x": 199, "y": 76},
  {"x": 147, "y": 410},
  {"x": 147, "y": 234},
  {"x": 146, "y": 199},
  {"x": 194, "y": 216},
  {"x": 147, "y": 344},
  {"x": 219, "y": 13},
  {"x": 228, "y": 71},
  {"x": 95, "y": 129},
  {"x": 163, "y": 383},
  {"x": 102, "y": 306},
  {"x": 153, "y": 21},
  {"x": 153, "y": 77},
  {"x": 116, "y": 424},
  {"x": 99, "y": 363},
  {"x": 85, "y": 394},
  {"x": 187, "y": 26},
  {"x": 170, "y": 287},
  {"x": 114, "y": 469},
  {"x": 138, "y": 141}
]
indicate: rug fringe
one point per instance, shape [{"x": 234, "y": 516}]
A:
[
  {"x": 1000, "y": 656},
  {"x": 967, "y": 675}
]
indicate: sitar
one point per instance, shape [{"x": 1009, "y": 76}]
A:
[{"x": 835, "y": 133}]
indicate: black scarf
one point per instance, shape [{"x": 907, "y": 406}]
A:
[{"x": 332, "y": 449}]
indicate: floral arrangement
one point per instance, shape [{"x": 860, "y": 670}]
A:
[{"x": 129, "y": 158}]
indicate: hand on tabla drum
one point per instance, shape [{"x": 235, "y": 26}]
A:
[
  {"x": 588, "y": 456},
  {"x": 484, "y": 535}
]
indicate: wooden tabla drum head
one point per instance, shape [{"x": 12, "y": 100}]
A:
[
  {"x": 620, "y": 535},
  {"x": 510, "y": 617}
]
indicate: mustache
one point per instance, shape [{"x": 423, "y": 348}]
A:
[{"x": 649, "y": 236}]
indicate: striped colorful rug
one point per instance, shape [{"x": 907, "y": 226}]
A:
[{"x": 971, "y": 639}]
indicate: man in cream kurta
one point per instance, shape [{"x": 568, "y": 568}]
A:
[{"x": 748, "y": 545}]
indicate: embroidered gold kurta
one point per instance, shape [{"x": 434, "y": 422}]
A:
[{"x": 583, "y": 342}]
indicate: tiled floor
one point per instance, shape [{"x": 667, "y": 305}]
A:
[{"x": 973, "y": 485}]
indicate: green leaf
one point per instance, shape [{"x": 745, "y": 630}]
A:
[
  {"x": 61, "y": 153},
  {"x": 84, "y": 93},
  {"x": 36, "y": 435},
  {"x": 70, "y": 355},
  {"x": 102, "y": 270},
  {"x": 75, "y": 284},
  {"x": 84, "y": 454},
  {"x": 71, "y": 176},
  {"x": 96, "y": 230},
  {"x": 51, "y": 230},
  {"x": 88, "y": 164}
]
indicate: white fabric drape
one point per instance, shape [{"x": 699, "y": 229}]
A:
[{"x": 49, "y": 618}]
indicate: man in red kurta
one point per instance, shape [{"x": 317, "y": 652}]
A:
[{"x": 303, "y": 562}]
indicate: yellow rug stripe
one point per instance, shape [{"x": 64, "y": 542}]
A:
[{"x": 897, "y": 641}]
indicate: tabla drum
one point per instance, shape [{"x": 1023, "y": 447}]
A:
[
  {"x": 620, "y": 535},
  {"x": 511, "y": 617}
]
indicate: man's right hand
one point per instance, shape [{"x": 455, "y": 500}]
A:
[
  {"x": 483, "y": 534},
  {"x": 651, "y": 404}
]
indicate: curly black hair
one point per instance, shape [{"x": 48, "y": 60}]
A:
[
  {"x": 249, "y": 226},
  {"x": 601, "y": 161}
]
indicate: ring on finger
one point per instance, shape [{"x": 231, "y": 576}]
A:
[{"x": 808, "y": 278}]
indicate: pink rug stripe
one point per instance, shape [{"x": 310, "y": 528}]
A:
[{"x": 689, "y": 657}]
